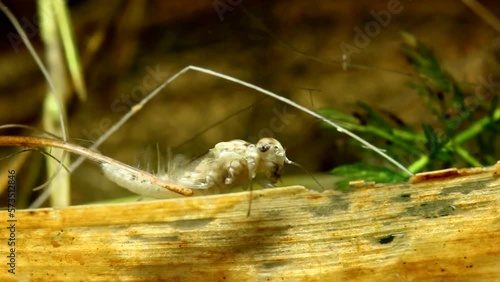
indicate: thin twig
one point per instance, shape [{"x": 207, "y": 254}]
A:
[
  {"x": 483, "y": 13},
  {"x": 26, "y": 41},
  {"x": 139, "y": 106},
  {"x": 305, "y": 110},
  {"x": 84, "y": 152}
]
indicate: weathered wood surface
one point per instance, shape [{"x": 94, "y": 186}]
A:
[{"x": 440, "y": 229}]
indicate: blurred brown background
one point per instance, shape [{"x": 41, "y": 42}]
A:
[{"x": 120, "y": 42}]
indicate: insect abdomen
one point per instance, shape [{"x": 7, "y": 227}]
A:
[{"x": 135, "y": 183}]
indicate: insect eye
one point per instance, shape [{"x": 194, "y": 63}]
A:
[{"x": 264, "y": 147}]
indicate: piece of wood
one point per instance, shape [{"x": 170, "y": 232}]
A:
[{"x": 438, "y": 228}]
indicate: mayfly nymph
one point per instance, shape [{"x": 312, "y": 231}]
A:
[{"x": 227, "y": 165}]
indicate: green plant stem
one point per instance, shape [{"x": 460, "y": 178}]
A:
[
  {"x": 60, "y": 186},
  {"x": 477, "y": 127},
  {"x": 396, "y": 136},
  {"x": 466, "y": 156},
  {"x": 419, "y": 164}
]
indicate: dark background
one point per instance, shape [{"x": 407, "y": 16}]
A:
[{"x": 263, "y": 47}]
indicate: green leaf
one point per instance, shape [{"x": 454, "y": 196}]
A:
[
  {"x": 374, "y": 117},
  {"x": 345, "y": 120},
  {"x": 493, "y": 107}
]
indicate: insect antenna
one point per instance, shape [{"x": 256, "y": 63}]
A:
[
  {"x": 47, "y": 154},
  {"x": 307, "y": 171}
]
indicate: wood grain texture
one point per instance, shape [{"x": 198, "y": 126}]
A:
[{"x": 442, "y": 229}]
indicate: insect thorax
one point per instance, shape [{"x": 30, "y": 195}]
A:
[{"x": 237, "y": 162}]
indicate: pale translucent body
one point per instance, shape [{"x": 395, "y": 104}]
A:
[{"x": 227, "y": 165}]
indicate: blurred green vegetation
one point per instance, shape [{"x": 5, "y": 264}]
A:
[{"x": 464, "y": 134}]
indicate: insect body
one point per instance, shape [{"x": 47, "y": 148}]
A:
[
  {"x": 227, "y": 165},
  {"x": 237, "y": 162}
]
